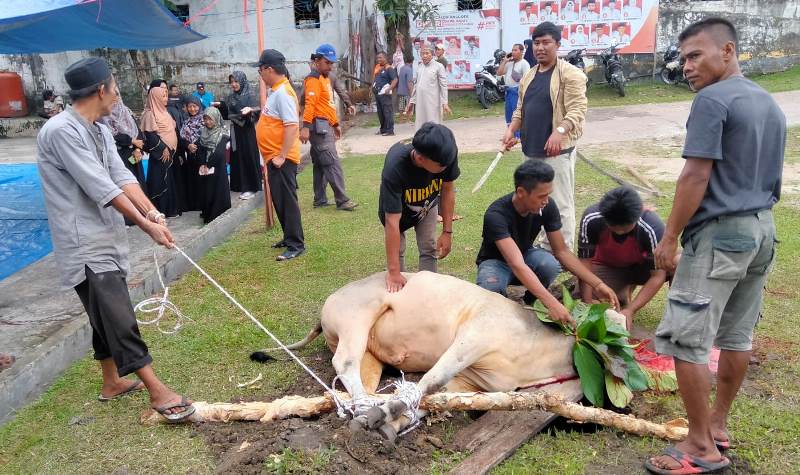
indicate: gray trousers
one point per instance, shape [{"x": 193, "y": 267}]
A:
[
  {"x": 327, "y": 169},
  {"x": 426, "y": 242},
  {"x": 564, "y": 196}
]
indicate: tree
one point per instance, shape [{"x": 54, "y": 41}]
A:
[{"x": 396, "y": 13}]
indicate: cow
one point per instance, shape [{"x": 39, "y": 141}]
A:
[{"x": 465, "y": 338}]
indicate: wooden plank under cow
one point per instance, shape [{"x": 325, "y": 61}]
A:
[{"x": 496, "y": 435}]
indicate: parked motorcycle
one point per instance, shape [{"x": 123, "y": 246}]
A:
[
  {"x": 488, "y": 87},
  {"x": 615, "y": 76},
  {"x": 575, "y": 58},
  {"x": 672, "y": 72}
]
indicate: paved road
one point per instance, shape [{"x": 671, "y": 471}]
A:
[{"x": 604, "y": 125}]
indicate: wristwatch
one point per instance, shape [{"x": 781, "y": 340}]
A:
[{"x": 561, "y": 130}]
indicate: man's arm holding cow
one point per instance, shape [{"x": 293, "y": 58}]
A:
[
  {"x": 448, "y": 205},
  {"x": 513, "y": 257},
  {"x": 391, "y": 232},
  {"x": 571, "y": 263}
]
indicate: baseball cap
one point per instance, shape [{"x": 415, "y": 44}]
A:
[
  {"x": 327, "y": 51},
  {"x": 271, "y": 57},
  {"x": 199, "y": 85}
]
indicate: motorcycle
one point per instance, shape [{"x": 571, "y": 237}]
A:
[
  {"x": 615, "y": 76},
  {"x": 575, "y": 58},
  {"x": 488, "y": 87},
  {"x": 672, "y": 72}
]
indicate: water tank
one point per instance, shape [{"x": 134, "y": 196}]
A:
[{"x": 12, "y": 97}]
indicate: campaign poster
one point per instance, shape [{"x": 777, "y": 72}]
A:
[
  {"x": 586, "y": 24},
  {"x": 469, "y": 38}
]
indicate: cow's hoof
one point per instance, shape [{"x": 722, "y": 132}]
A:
[
  {"x": 388, "y": 432},
  {"x": 358, "y": 424},
  {"x": 396, "y": 408},
  {"x": 375, "y": 417}
]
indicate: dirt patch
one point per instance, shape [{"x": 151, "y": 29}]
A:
[{"x": 322, "y": 444}]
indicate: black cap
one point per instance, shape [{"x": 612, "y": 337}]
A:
[
  {"x": 86, "y": 73},
  {"x": 200, "y": 84},
  {"x": 271, "y": 57}
]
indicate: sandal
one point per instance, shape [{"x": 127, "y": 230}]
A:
[
  {"x": 689, "y": 464},
  {"x": 722, "y": 444},
  {"x": 175, "y": 418},
  {"x": 134, "y": 387}
]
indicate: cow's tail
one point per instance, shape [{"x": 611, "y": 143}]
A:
[{"x": 262, "y": 356}]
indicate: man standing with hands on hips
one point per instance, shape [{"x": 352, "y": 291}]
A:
[
  {"x": 87, "y": 192},
  {"x": 735, "y": 140},
  {"x": 550, "y": 113}
]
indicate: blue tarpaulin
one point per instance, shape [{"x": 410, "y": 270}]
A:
[
  {"x": 24, "y": 234},
  {"x": 50, "y": 26}
]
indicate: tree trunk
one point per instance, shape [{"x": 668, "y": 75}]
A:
[{"x": 298, "y": 406}]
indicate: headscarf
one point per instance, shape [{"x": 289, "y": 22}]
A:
[
  {"x": 155, "y": 118},
  {"x": 209, "y": 138},
  {"x": 121, "y": 120},
  {"x": 244, "y": 97},
  {"x": 528, "y": 56},
  {"x": 193, "y": 123}
]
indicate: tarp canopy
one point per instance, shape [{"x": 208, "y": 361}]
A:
[{"x": 50, "y": 26}]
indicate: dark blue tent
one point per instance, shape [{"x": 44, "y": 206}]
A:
[{"x": 49, "y": 26}]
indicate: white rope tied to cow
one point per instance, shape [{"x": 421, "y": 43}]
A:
[
  {"x": 340, "y": 405},
  {"x": 160, "y": 305},
  {"x": 408, "y": 392}
]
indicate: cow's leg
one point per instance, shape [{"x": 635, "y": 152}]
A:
[
  {"x": 352, "y": 349},
  {"x": 465, "y": 350},
  {"x": 371, "y": 371}
]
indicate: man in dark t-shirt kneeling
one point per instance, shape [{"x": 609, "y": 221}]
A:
[
  {"x": 507, "y": 255},
  {"x": 413, "y": 178}
]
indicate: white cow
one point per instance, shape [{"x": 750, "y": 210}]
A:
[{"x": 464, "y": 338}]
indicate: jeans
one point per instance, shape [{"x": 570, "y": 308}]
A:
[
  {"x": 496, "y": 275},
  {"x": 512, "y": 94}
]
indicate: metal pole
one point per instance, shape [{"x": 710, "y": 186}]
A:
[{"x": 262, "y": 88}]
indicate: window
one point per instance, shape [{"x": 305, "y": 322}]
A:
[
  {"x": 306, "y": 14},
  {"x": 180, "y": 11},
  {"x": 470, "y": 4}
]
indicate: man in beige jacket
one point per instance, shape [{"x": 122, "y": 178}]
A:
[{"x": 550, "y": 114}]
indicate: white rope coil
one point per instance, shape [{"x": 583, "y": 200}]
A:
[{"x": 160, "y": 305}]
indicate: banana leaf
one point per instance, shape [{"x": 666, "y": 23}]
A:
[{"x": 590, "y": 373}]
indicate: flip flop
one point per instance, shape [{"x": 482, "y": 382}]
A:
[
  {"x": 722, "y": 444},
  {"x": 689, "y": 464},
  {"x": 134, "y": 387},
  {"x": 176, "y": 417}
]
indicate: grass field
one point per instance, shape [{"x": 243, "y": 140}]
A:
[{"x": 68, "y": 431}]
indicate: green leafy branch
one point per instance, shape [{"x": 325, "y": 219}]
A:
[{"x": 603, "y": 356}]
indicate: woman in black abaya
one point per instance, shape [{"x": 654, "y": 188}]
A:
[
  {"x": 241, "y": 107},
  {"x": 211, "y": 154},
  {"x": 188, "y": 139},
  {"x": 160, "y": 141}
]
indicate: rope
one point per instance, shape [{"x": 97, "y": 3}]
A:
[
  {"x": 160, "y": 305},
  {"x": 408, "y": 392},
  {"x": 340, "y": 405}
]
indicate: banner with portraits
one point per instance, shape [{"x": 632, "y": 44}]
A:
[
  {"x": 585, "y": 24},
  {"x": 469, "y": 38}
]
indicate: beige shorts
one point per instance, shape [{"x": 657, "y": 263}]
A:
[{"x": 717, "y": 291}]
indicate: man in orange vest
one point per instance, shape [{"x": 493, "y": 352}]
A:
[
  {"x": 277, "y": 134},
  {"x": 321, "y": 128}
]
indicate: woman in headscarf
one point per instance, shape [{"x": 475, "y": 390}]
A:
[
  {"x": 241, "y": 107},
  {"x": 528, "y": 56},
  {"x": 213, "y": 176},
  {"x": 128, "y": 139},
  {"x": 160, "y": 141},
  {"x": 188, "y": 139}
]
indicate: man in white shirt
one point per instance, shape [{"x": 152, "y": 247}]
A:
[
  {"x": 568, "y": 12},
  {"x": 548, "y": 14},
  {"x": 610, "y": 11},
  {"x": 527, "y": 16},
  {"x": 590, "y": 11},
  {"x": 630, "y": 10},
  {"x": 579, "y": 37},
  {"x": 512, "y": 68}
]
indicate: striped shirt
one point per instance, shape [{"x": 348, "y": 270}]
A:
[{"x": 597, "y": 242}]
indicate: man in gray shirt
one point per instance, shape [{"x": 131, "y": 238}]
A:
[
  {"x": 735, "y": 138},
  {"x": 87, "y": 191}
]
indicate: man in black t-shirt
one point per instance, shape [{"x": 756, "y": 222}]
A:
[
  {"x": 384, "y": 84},
  {"x": 507, "y": 255},
  {"x": 413, "y": 178},
  {"x": 617, "y": 241}
]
